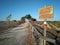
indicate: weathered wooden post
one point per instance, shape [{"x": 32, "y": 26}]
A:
[{"x": 45, "y": 28}]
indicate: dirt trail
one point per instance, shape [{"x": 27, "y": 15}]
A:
[{"x": 15, "y": 36}]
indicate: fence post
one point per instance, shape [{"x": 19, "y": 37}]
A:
[
  {"x": 45, "y": 24},
  {"x": 41, "y": 41}
]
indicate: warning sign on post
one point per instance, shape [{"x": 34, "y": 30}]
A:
[{"x": 46, "y": 12}]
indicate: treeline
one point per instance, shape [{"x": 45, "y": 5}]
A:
[
  {"x": 22, "y": 20},
  {"x": 28, "y": 17}
]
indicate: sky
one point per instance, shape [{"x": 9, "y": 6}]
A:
[{"x": 19, "y": 8}]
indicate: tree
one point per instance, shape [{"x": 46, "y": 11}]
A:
[
  {"x": 23, "y": 19},
  {"x": 28, "y": 16},
  {"x": 33, "y": 19},
  {"x": 8, "y": 18},
  {"x": 14, "y": 21}
]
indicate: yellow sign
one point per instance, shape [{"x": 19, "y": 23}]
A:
[{"x": 45, "y": 13}]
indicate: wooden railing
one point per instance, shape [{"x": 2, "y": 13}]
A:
[{"x": 39, "y": 38}]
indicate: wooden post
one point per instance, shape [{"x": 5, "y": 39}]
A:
[{"x": 45, "y": 24}]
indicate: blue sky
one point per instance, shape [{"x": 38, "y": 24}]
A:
[{"x": 19, "y": 8}]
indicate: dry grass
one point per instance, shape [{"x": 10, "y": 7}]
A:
[{"x": 5, "y": 26}]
